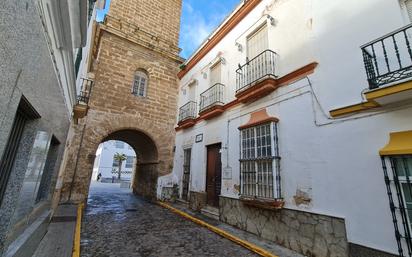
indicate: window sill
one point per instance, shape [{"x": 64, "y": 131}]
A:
[{"x": 269, "y": 204}]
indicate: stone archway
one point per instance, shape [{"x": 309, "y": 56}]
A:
[
  {"x": 153, "y": 140},
  {"x": 146, "y": 173}
]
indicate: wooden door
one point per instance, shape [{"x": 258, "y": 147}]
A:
[{"x": 214, "y": 174}]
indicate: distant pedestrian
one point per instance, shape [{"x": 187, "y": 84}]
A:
[{"x": 99, "y": 176}]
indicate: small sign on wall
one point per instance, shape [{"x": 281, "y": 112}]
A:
[
  {"x": 227, "y": 173},
  {"x": 199, "y": 138}
]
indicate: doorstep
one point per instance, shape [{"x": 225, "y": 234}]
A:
[
  {"x": 246, "y": 236},
  {"x": 210, "y": 211}
]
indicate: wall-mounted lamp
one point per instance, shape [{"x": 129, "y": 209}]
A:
[
  {"x": 204, "y": 75},
  {"x": 272, "y": 20},
  {"x": 239, "y": 47}
]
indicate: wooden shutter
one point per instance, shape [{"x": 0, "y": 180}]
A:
[
  {"x": 215, "y": 74},
  {"x": 257, "y": 42}
]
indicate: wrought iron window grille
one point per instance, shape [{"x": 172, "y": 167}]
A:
[
  {"x": 260, "y": 162},
  {"x": 260, "y": 67},
  {"x": 398, "y": 179},
  {"x": 85, "y": 91},
  {"x": 388, "y": 59}
]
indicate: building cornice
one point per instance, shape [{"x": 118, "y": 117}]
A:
[{"x": 135, "y": 35}]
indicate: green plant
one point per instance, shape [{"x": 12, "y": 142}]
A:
[{"x": 120, "y": 157}]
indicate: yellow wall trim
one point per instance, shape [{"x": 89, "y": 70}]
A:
[
  {"x": 353, "y": 108},
  {"x": 385, "y": 91},
  {"x": 400, "y": 143}
]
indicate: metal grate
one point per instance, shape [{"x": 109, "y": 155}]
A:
[
  {"x": 85, "y": 91},
  {"x": 259, "y": 162},
  {"x": 211, "y": 97},
  {"x": 187, "y": 111},
  {"x": 388, "y": 59},
  {"x": 260, "y": 67},
  {"x": 398, "y": 179}
]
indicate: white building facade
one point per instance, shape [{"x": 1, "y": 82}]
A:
[
  {"x": 290, "y": 120},
  {"x": 107, "y": 166}
]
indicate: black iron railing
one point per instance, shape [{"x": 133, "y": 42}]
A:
[
  {"x": 187, "y": 111},
  {"x": 211, "y": 97},
  {"x": 256, "y": 69},
  {"x": 389, "y": 58},
  {"x": 85, "y": 90}
]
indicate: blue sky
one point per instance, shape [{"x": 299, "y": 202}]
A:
[{"x": 199, "y": 18}]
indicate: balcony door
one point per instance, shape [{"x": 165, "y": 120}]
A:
[
  {"x": 257, "y": 42},
  {"x": 215, "y": 73},
  {"x": 214, "y": 174}
]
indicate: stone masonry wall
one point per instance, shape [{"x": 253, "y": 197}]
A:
[
  {"x": 113, "y": 107},
  {"x": 160, "y": 18},
  {"x": 310, "y": 234}
]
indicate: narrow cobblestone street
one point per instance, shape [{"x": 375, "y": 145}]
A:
[{"x": 116, "y": 223}]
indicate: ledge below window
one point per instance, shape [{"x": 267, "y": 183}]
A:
[
  {"x": 269, "y": 204},
  {"x": 384, "y": 96},
  {"x": 211, "y": 112},
  {"x": 187, "y": 123}
]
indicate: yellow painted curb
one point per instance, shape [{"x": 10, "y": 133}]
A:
[
  {"x": 76, "y": 243},
  {"x": 246, "y": 244}
]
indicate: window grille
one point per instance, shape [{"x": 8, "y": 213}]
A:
[
  {"x": 140, "y": 84},
  {"x": 259, "y": 162},
  {"x": 398, "y": 178}
]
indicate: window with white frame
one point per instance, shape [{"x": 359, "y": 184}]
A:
[
  {"x": 259, "y": 162},
  {"x": 140, "y": 84}
]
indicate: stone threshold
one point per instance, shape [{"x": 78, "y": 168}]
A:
[{"x": 267, "y": 245}]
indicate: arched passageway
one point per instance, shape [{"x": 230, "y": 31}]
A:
[{"x": 145, "y": 176}]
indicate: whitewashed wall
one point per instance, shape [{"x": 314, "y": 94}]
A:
[
  {"x": 335, "y": 161},
  {"x": 104, "y": 165}
]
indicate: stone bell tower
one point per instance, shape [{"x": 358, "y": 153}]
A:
[{"x": 135, "y": 60}]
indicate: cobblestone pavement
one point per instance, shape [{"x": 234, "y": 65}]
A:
[{"x": 116, "y": 223}]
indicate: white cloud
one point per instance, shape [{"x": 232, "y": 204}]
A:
[{"x": 196, "y": 27}]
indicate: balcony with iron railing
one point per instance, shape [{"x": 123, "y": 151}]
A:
[
  {"x": 256, "y": 78},
  {"x": 82, "y": 100},
  {"x": 187, "y": 115},
  {"x": 212, "y": 101},
  {"x": 388, "y": 65}
]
